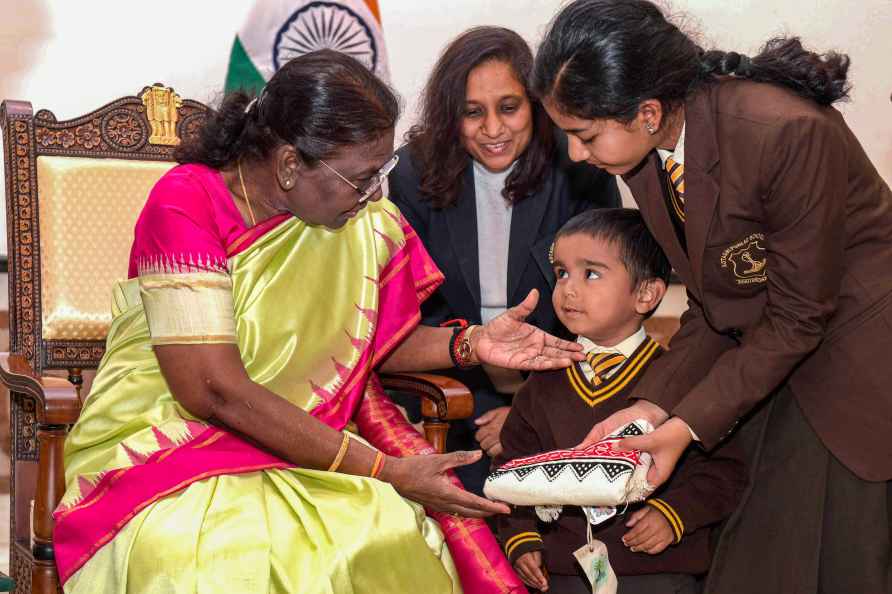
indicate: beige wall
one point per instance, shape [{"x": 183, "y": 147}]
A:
[
  {"x": 416, "y": 31},
  {"x": 73, "y": 56}
]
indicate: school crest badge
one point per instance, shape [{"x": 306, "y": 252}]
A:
[{"x": 746, "y": 260}]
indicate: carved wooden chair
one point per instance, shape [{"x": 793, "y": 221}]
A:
[{"x": 73, "y": 191}]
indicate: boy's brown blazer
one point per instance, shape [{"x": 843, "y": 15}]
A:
[{"x": 788, "y": 270}]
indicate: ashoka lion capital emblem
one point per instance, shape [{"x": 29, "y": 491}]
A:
[{"x": 161, "y": 111}]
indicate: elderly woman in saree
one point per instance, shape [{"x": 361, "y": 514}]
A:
[{"x": 236, "y": 424}]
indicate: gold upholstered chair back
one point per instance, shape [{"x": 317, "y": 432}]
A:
[
  {"x": 74, "y": 189},
  {"x": 86, "y": 212}
]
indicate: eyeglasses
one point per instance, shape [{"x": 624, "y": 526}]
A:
[{"x": 374, "y": 184}]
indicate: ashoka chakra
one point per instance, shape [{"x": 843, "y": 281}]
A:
[{"x": 325, "y": 25}]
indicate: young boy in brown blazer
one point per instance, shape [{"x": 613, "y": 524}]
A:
[{"x": 610, "y": 276}]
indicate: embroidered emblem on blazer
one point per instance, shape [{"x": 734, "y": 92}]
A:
[{"x": 746, "y": 260}]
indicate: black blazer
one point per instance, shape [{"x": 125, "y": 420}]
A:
[{"x": 450, "y": 235}]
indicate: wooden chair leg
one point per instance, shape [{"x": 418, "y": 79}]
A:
[
  {"x": 435, "y": 432},
  {"x": 50, "y": 489}
]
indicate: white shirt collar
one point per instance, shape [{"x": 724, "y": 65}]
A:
[
  {"x": 678, "y": 153},
  {"x": 626, "y": 347}
]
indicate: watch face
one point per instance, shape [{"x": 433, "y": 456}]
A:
[{"x": 464, "y": 350}]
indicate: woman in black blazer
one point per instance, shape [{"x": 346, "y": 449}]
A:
[{"x": 485, "y": 181}]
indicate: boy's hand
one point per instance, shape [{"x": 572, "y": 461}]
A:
[
  {"x": 491, "y": 424},
  {"x": 650, "y": 531},
  {"x": 529, "y": 567}
]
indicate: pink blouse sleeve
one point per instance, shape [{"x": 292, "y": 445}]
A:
[{"x": 177, "y": 231}]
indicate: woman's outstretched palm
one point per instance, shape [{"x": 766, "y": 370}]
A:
[{"x": 508, "y": 341}]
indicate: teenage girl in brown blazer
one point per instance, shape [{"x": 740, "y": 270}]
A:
[{"x": 781, "y": 229}]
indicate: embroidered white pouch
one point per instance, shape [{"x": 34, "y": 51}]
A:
[{"x": 597, "y": 476}]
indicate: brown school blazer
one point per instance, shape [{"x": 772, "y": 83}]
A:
[{"x": 788, "y": 270}]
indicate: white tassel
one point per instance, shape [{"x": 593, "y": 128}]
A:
[
  {"x": 549, "y": 513},
  {"x": 637, "y": 489}
]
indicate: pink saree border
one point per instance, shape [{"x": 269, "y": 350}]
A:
[
  {"x": 247, "y": 239},
  {"x": 399, "y": 297},
  {"x": 88, "y": 526},
  {"x": 482, "y": 566}
]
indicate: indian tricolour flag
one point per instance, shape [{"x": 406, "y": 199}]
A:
[{"x": 279, "y": 30}]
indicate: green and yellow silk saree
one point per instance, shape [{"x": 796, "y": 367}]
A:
[{"x": 158, "y": 501}]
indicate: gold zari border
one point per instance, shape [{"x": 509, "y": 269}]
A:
[{"x": 189, "y": 308}]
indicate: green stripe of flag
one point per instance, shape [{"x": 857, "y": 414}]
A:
[{"x": 242, "y": 74}]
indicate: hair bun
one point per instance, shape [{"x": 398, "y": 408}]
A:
[
  {"x": 719, "y": 62},
  {"x": 730, "y": 62},
  {"x": 745, "y": 68},
  {"x": 738, "y": 64}
]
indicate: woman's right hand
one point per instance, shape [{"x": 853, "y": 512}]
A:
[
  {"x": 508, "y": 341},
  {"x": 423, "y": 479}
]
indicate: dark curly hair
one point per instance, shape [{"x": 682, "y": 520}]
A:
[
  {"x": 602, "y": 58},
  {"x": 435, "y": 142},
  {"x": 318, "y": 102}
]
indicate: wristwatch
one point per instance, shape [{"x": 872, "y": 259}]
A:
[{"x": 460, "y": 349}]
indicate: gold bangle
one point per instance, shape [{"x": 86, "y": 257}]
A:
[
  {"x": 470, "y": 333},
  {"x": 378, "y": 465},
  {"x": 464, "y": 352},
  {"x": 341, "y": 453}
]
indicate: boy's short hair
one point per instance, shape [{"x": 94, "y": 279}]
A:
[{"x": 639, "y": 251}]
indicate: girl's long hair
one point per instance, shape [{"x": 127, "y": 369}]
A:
[{"x": 602, "y": 58}]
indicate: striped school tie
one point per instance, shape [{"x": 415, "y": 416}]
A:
[
  {"x": 603, "y": 364},
  {"x": 675, "y": 171}
]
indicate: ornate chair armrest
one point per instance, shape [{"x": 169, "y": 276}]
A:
[
  {"x": 58, "y": 407},
  {"x": 59, "y": 402},
  {"x": 443, "y": 399}
]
